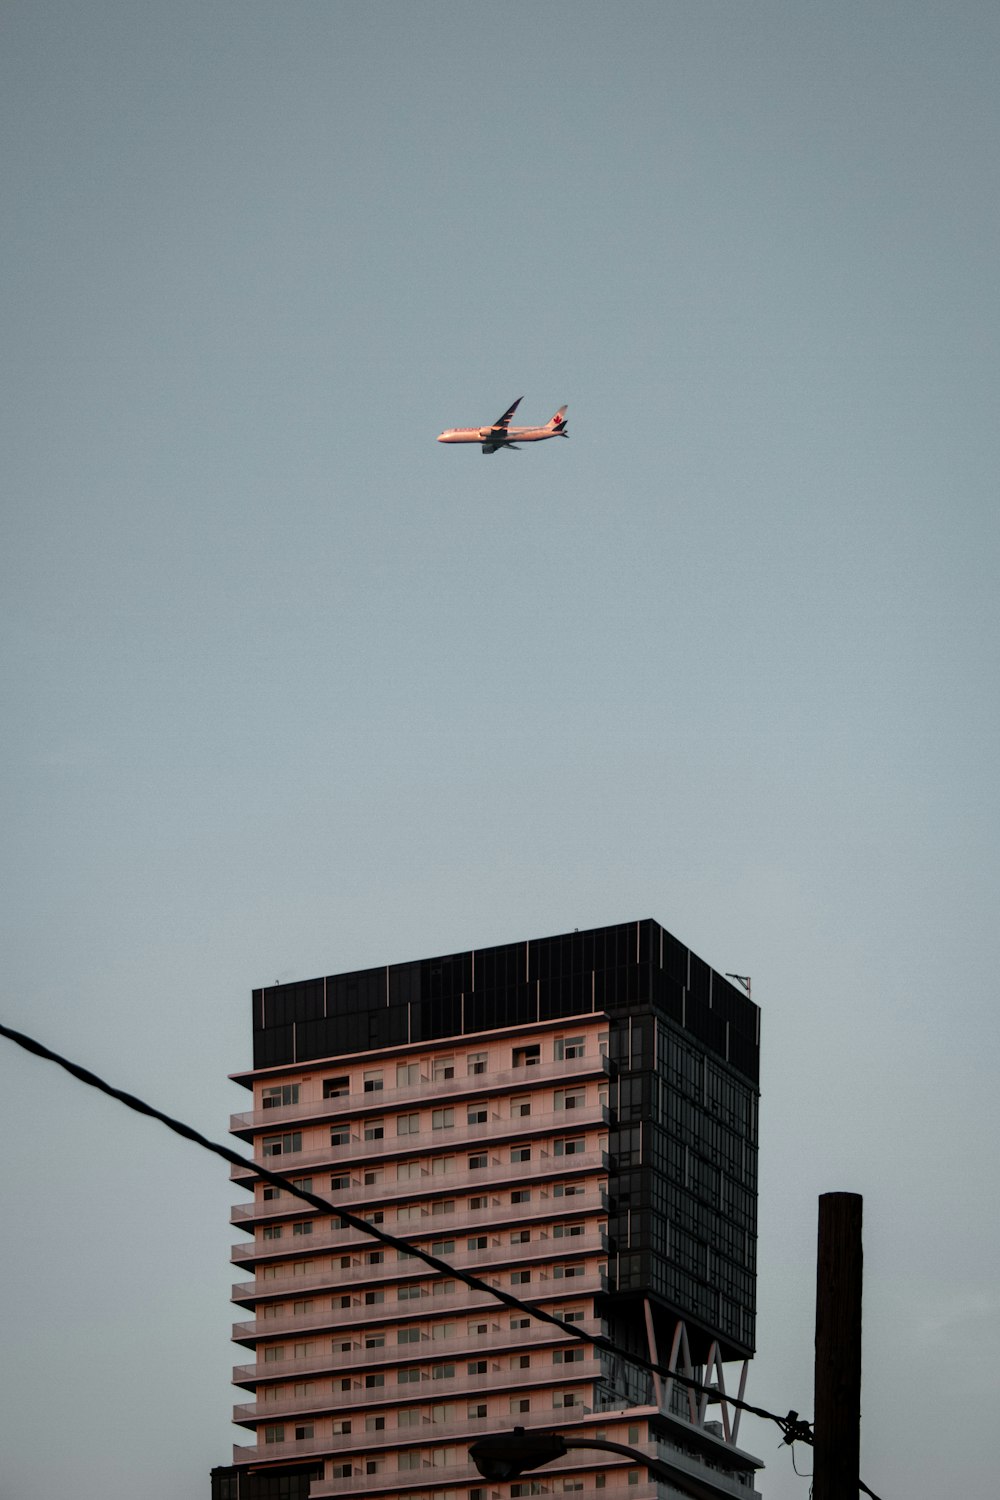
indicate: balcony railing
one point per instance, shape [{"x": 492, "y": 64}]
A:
[
  {"x": 536, "y": 1252},
  {"x": 461, "y": 1220},
  {"x": 426, "y": 1095},
  {"x": 430, "y": 1142},
  {"x": 498, "y": 1340},
  {"x": 462, "y": 1300}
]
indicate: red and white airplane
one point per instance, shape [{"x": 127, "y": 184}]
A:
[{"x": 503, "y": 435}]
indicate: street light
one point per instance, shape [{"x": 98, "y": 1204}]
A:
[{"x": 507, "y": 1454}]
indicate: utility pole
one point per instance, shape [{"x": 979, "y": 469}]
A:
[{"x": 837, "y": 1406}]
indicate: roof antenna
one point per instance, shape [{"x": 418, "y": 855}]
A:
[{"x": 743, "y": 979}]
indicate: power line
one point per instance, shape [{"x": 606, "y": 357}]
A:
[{"x": 793, "y": 1428}]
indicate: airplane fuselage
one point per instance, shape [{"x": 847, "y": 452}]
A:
[{"x": 487, "y": 435}]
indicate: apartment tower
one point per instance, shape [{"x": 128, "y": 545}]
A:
[{"x": 574, "y": 1120}]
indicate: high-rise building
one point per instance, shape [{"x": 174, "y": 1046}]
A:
[{"x": 574, "y": 1120}]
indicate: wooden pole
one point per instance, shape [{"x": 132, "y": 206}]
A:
[{"x": 837, "y": 1436}]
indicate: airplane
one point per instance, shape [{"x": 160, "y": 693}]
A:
[{"x": 503, "y": 435}]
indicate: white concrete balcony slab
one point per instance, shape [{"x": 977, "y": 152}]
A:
[
  {"x": 430, "y": 1142},
  {"x": 463, "y": 1300},
  {"x": 427, "y": 1094},
  {"x": 498, "y": 1342},
  {"x": 392, "y": 1270},
  {"x": 544, "y": 1206},
  {"x": 502, "y": 1377}
]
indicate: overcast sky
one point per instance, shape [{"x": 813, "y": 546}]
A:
[{"x": 289, "y": 688}]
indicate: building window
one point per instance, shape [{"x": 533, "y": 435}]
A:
[
  {"x": 443, "y": 1206},
  {"x": 442, "y": 1247},
  {"x": 374, "y": 1175},
  {"x": 374, "y": 1257},
  {"x": 568, "y": 1231},
  {"x": 569, "y": 1098},
  {"x": 527, "y": 1057},
  {"x": 410, "y": 1460},
  {"x": 521, "y": 1195},
  {"x": 409, "y": 1292},
  {"x": 476, "y": 1205},
  {"x": 274, "y": 1353},
  {"x": 478, "y": 1115},
  {"x": 274, "y": 1432},
  {"x": 562, "y": 1399},
  {"x": 479, "y": 1410},
  {"x": 340, "y": 1135},
  {"x": 407, "y": 1075},
  {"x": 443, "y": 1411},
  {"x": 272, "y": 1231},
  {"x": 442, "y": 1165},
  {"x": 520, "y": 1403},
  {"x": 519, "y": 1322},
  {"x": 443, "y": 1069},
  {"x": 270, "y": 1192},
  {"x": 443, "y": 1372},
  {"x": 374, "y": 1340},
  {"x": 443, "y": 1288},
  {"x": 442, "y": 1119},
  {"x": 409, "y": 1416},
  {"x": 568, "y": 1190},
  {"x": 374, "y": 1082},
  {"x": 336, "y": 1088},
  {"x": 374, "y": 1130},
  {"x": 444, "y": 1330},
  {"x": 520, "y": 1278},
  {"x": 567, "y": 1356},
  {"x": 476, "y": 1367},
  {"x": 560, "y": 1273},
  {"x": 408, "y": 1335},
  {"x": 408, "y": 1377},
  {"x": 521, "y": 1362},
  {"x": 574, "y": 1315},
  {"x": 567, "y": 1047},
  {"x": 520, "y": 1106},
  {"x": 280, "y": 1095},
  {"x": 521, "y": 1237},
  {"x": 302, "y": 1308},
  {"x": 303, "y": 1431},
  {"x": 478, "y": 1160},
  {"x": 569, "y": 1146},
  {"x": 341, "y": 1427},
  {"x": 282, "y": 1145},
  {"x": 407, "y": 1124},
  {"x": 373, "y": 1299},
  {"x": 339, "y": 1181},
  {"x": 520, "y": 1153},
  {"x": 372, "y": 1382},
  {"x": 305, "y": 1183},
  {"x": 407, "y": 1171},
  {"x": 477, "y": 1062},
  {"x": 374, "y": 1465},
  {"x": 343, "y": 1471},
  {"x": 303, "y": 1227},
  {"x": 477, "y": 1242}
]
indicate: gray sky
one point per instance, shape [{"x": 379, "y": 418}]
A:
[{"x": 290, "y": 688}]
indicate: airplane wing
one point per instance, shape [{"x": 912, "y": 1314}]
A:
[{"x": 502, "y": 423}]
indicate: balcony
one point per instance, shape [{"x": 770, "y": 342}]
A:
[
  {"x": 428, "y": 1143},
  {"x": 499, "y": 1340},
  {"x": 463, "y": 1300},
  {"x": 427, "y": 1094},
  {"x": 359, "y": 1196},
  {"x": 461, "y": 1220},
  {"x": 334, "y": 1279},
  {"x": 391, "y": 1478}
]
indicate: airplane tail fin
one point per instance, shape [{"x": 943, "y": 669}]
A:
[{"x": 558, "y": 422}]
